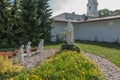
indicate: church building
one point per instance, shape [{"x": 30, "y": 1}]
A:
[{"x": 89, "y": 26}]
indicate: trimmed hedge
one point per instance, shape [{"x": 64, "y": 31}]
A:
[{"x": 65, "y": 46}]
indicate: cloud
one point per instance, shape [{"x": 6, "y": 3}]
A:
[
  {"x": 61, "y": 6},
  {"x": 80, "y": 6},
  {"x": 57, "y": 5}
]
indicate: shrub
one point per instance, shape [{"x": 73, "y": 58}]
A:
[
  {"x": 60, "y": 37},
  {"x": 65, "y": 46},
  {"x": 67, "y": 65},
  {"x": 7, "y": 69}
]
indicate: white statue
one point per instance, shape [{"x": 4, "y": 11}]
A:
[
  {"x": 41, "y": 46},
  {"x": 69, "y": 33},
  {"x": 28, "y": 49},
  {"x": 20, "y": 54}
]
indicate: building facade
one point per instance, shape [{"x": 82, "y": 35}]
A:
[{"x": 89, "y": 27}]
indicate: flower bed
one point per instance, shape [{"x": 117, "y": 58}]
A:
[
  {"x": 67, "y": 65},
  {"x": 10, "y": 54},
  {"x": 8, "y": 69}
]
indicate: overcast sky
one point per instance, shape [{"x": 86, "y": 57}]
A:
[{"x": 79, "y": 6}]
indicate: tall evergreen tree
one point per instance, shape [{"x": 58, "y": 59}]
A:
[
  {"x": 29, "y": 21},
  {"x": 6, "y": 34},
  {"x": 44, "y": 13},
  {"x": 16, "y": 21},
  {"x": 23, "y": 22}
]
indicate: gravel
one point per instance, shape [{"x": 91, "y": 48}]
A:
[
  {"x": 111, "y": 71},
  {"x": 36, "y": 59}
]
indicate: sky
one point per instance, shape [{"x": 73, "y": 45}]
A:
[{"x": 79, "y": 6}]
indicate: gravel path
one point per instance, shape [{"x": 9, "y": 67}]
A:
[
  {"x": 110, "y": 71},
  {"x": 36, "y": 59}
]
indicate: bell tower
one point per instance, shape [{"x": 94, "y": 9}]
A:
[{"x": 92, "y": 8}]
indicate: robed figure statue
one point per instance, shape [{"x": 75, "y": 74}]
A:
[{"x": 69, "y": 31}]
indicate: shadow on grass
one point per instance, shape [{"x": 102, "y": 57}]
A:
[{"x": 102, "y": 44}]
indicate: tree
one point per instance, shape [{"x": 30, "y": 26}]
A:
[
  {"x": 116, "y": 12},
  {"x": 44, "y": 14},
  {"x": 6, "y": 34},
  {"x": 104, "y": 13},
  {"x": 24, "y": 20},
  {"x": 29, "y": 27},
  {"x": 16, "y": 22}
]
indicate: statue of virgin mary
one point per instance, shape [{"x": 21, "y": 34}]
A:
[{"x": 69, "y": 33}]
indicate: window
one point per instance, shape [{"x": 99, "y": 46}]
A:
[{"x": 89, "y": 7}]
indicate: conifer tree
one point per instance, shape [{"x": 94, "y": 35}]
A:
[
  {"x": 44, "y": 14},
  {"x": 29, "y": 21},
  {"x": 16, "y": 21},
  {"x": 6, "y": 34}
]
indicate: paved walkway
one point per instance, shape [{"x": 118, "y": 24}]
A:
[{"x": 110, "y": 71}]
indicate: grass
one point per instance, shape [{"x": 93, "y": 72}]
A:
[
  {"x": 110, "y": 51},
  {"x": 53, "y": 46}
]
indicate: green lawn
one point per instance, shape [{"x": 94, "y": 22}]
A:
[{"x": 110, "y": 51}]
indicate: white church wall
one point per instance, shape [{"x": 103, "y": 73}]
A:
[
  {"x": 60, "y": 27},
  {"x": 107, "y": 31},
  {"x": 76, "y": 30},
  {"x": 57, "y": 28}
]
